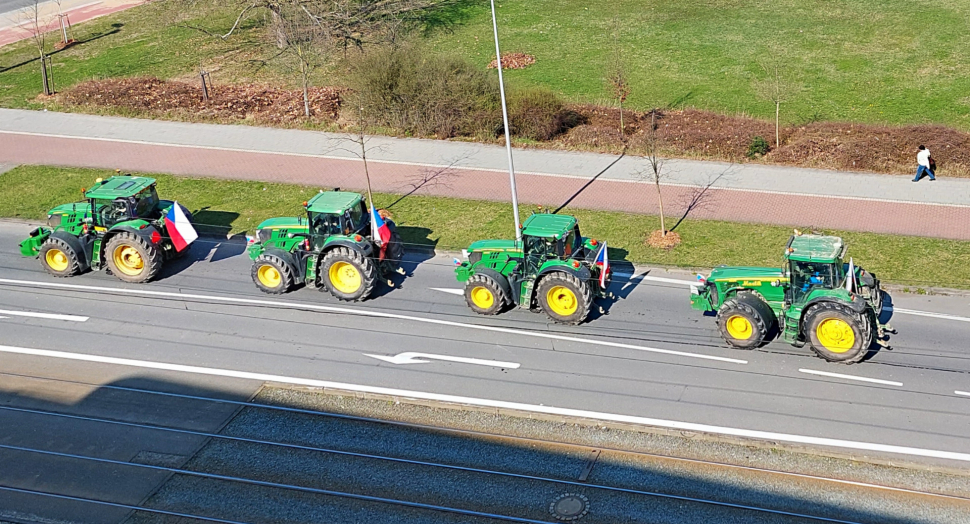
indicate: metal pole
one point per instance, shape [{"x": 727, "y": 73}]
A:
[{"x": 505, "y": 120}]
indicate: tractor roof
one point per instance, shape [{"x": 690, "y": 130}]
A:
[
  {"x": 816, "y": 248},
  {"x": 333, "y": 202},
  {"x": 119, "y": 187},
  {"x": 548, "y": 225}
]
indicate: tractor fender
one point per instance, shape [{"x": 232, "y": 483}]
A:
[
  {"x": 145, "y": 231},
  {"x": 582, "y": 272},
  {"x": 366, "y": 249},
  {"x": 83, "y": 249},
  {"x": 499, "y": 278},
  {"x": 289, "y": 259}
]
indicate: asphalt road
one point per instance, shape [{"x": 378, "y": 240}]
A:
[
  {"x": 9, "y": 7},
  {"x": 916, "y": 405}
]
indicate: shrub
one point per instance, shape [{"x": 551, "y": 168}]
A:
[
  {"x": 758, "y": 147},
  {"x": 419, "y": 93},
  {"x": 539, "y": 114}
]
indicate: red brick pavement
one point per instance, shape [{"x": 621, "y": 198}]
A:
[{"x": 733, "y": 205}]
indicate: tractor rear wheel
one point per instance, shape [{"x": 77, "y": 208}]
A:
[
  {"x": 272, "y": 275},
  {"x": 744, "y": 321},
  {"x": 131, "y": 258},
  {"x": 838, "y": 334},
  {"x": 484, "y": 296},
  {"x": 348, "y": 275},
  {"x": 59, "y": 258},
  {"x": 565, "y": 298}
]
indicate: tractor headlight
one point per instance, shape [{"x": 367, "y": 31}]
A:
[
  {"x": 263, "y": 235},
  {"x": 54, "y": 220}
]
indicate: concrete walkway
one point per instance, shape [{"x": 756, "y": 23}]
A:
[{"x": 740, "y": 192}]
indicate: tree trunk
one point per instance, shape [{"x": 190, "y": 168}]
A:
[
  {"x": 278, "y": 30},
  {"x": 305, "y": 71},
  {"x": 621, "y": 120},
  {"x": 660, "y": 198},
  {"x": 43, "y": 75},
  {"x": 306, "y": 100},
  {"x": 777, "y": 133}
]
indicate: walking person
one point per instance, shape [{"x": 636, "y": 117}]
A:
[{"x": 923, "y": 164}]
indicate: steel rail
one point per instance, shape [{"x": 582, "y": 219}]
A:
[{"x": 303, "y": 447}]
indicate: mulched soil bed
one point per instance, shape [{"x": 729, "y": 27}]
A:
[
  {"x": 688, "y": 132},
  {"x": 514, "y": 61},
  {"x": 226, "y": 102}
]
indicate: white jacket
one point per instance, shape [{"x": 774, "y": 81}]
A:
[{"x": 923, "y": 158}]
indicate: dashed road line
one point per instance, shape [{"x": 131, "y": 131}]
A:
[
  {"x": 851, "y": 377},
  {"x": 51, "y": 316},
  {"x": 964, "y": 393}
]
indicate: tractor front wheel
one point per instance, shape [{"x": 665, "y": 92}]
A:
[
  {"x": 838, "y": 334},
  {"x": 347, "y": 274},
  {"x": 59, "y": 258},
  {"x": 744, "y": 321},
  {"x": 272, "y": 275},
  {"x": 484, "y": 296},
  {"x": 565, "y": 298},
  {"x": 131, "y": 258}
]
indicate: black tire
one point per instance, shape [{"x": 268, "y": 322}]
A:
[
  {"x": 575, "y": 298},
  {"x": 58, "y": 258},
  {"x": 744, "y": 321},
  {"x": 836, "y": 346},
  {"x": 130, "y": 270},
  {"x": 343, "y": 257},
  {"x": 484, "y": 295},
  {"x": 272, "y": 275}
]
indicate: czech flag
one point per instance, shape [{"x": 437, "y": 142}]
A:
[
  {"x": 179, "y": 228},
  {"x": 603, "y": 260},
  {"x": 380, "y": 232}
]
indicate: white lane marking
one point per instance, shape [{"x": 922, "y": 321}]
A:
[
  {"x": 964, "y": 393},
  {"x": 51, "y": 316},
  {"x": 472, "y": 168},
  {"x": 369, "y": 313},
  {"x": 449, "y": 290},
  {"x": 928, "y": 314},
  {"x": 550, "y": 410},
  {"x": 412, "y": 357},
  {"x": 851, "y": 377}
]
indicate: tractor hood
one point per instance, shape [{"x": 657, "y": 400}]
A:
[
  {"x": 292, "y": 224},
  {"x": 735, "y": 273},
  {"x": 67, "y": 209},
  {"x": 495, "y": 246}
]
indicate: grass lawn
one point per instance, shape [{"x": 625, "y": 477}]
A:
[
  {"x": 236, "y": 206},
  {"x": 872, "y": 61}
]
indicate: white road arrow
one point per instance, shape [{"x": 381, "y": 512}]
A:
[{"x": 415, "y": 358}]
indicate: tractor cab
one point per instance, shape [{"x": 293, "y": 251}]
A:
[
  {"x": 337, "y": 213},
  {"x": 122, "y": 198},
  {"x": 549, "y": 237},
  {"x": 813, "y": 263}
]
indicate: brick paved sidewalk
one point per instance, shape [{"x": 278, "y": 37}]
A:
[{"x": 478, "y": 179}]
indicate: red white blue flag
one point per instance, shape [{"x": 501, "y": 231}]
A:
[
  {"x": 379, "y": 230},
  {"x": 603, "y": 260},
  {"x": 179, "y": 228}
]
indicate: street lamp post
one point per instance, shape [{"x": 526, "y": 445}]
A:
[{"x": 505, "y": 121}]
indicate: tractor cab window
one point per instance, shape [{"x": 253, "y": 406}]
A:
[
  {"x": 110, "y": 212},
  {"x": 537, "y": 250},
  {"x": 806, "y": 276},
  {"x": 324, "y": 224},
  {"x": 357, "y": 217},
  {"x": 146, "y": 203},
  {"x": 572, "y": 244}
]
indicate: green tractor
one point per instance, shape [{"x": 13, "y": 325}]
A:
[
  {"x": 553, "y": 268},
  {"x": 330, "y": 248},
  {"x": 815, "y": 298},
  {"x": 121, "y": 227}
]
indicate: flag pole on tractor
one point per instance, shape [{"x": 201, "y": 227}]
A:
[{"x": 505, "y": 121}]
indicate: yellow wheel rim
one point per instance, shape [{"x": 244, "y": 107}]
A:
[
  {"x": 835, "y": 335},
  {"x": 482, "y": 297},
  {"x": 128, "y": 260},
  {"x": 57, "y": 260},
  {"x": 739, "y": 327},
  {"x": 269, "y": 276},
  {"x": 345, "y": 277},
  {"x": 562, "y": 301}
]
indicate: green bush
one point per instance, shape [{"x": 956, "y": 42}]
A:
[
  {"x": 539, "y": 114},
  {"x": 420, "y": 93},
  {"x": 758, "y": 147}
]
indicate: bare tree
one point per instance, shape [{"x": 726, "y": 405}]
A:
[
  {"x": 37, "y": 25},
  {"x": 776, "y": 87},
  {"x": 700, "y": 197},
  {"x": 617, "y": 79},
  {"x": 655, "y": 171}
]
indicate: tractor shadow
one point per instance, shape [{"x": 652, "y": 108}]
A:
[
  {"x": 884, "y": 318},
  {"x": 212, "y": 244},
  {"x": 625, "y": 280}
]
